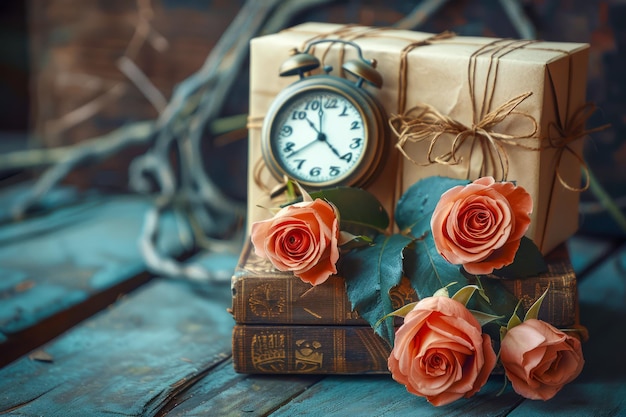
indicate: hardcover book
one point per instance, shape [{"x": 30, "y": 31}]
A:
[
  {"x": 262, "y": 295},
  {"x": 308, "y": 349},
  {"x": 286, "y": 326}
]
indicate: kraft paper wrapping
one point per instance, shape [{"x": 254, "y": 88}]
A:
[{"x": 517, "y": 108}]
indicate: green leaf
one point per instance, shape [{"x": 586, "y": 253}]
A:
[
  {"x": 533, "y": 311},
  {"x": 291, "y": 190},
  {"x": 349, "y": 241},
  {"x": 494, "y": 298},
  {"x": 464, "y": 294},
  {"x": 513, "y": 321},
  {"x": 416, "y": 206},
  {"x": 369, "y": 273},
  {"x": 358, "y": 208},
  {"x": 428, "y": 271},
  {"x": 481, "y": 290},
  {"x": 528, "y": 262},
  {"x": 484, "y": 318},
  {"x": 401, "y": 312}
]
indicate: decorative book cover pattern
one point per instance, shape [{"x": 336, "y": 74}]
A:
[
  {"x": 308, "y": 349},
  {"x": 264, "y": 295}
]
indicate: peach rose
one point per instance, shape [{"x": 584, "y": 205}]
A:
[
  {"x": 480, "y": 225},
  {"x": 440, "y": 352},
  {"x": 539, "y": 359},
  {"x": 301, "y": 238}
]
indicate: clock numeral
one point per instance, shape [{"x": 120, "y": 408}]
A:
[
  {"x": 347, "y": 157},
  {"x": 313, "y": 105},
  {"x": 356, "y": 142},
  {"x": 298, "y": 115},
  {"x": 286, "y": 131},
  {"x": 334, "y": 171},
  {"x": 344, "y": 112},
  {"x": 354, "y": 125},
  {"x": 288, "y": 147},
  {"x": 331, "y": 103},
  {"x": 315, "y": 171},
  {"x": 300, "y": 162}
]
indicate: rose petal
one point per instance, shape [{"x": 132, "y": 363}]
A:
[
  {"x": 302, "y": 238},
  {"x": 478, "y": 246},
  {"x": 539, "y": 359},
  {"x": 481, "y": 223},
  {"x": 440, "y": 352}
]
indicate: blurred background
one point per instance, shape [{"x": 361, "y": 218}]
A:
[{"x": 74, "y": 70}]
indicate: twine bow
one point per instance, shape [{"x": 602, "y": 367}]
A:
[{"x": 424, "y": 123}]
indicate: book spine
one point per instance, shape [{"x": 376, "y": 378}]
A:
[
  {"x": 560, "y": 307},
  {"x": 308, "y": 350},
  {"x": 264, "y": 295},
  {"x": 288, "y": 300},
  {"x": 261, "y": 294}
]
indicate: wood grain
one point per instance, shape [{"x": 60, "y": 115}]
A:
[
  {"x": 129, "y": 360},
  {"x": 62, "y": 266},
  {"x": 165, "y": 348}
]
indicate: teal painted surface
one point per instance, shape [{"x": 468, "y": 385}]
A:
[
  {"x": 585, "y": 250},
  {"x": 381, "y": 396},
  {"x": 225, "y": 393},
  {"x": 221, "y": 265},
  {"x": 54, "y": 261},
  {"x": 57, "y": 197},
  {"x": 605, "y": 288},
  {"x": 165, "y": 348},
  {"x": 10, "y": 280},
  {"x": 30, "y": 306},
  {"x": 129, "y": 359}
]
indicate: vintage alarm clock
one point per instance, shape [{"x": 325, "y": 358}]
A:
[{"x": 324, "y": 130}]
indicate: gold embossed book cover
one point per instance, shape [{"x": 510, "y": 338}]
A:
[
  {"x": 284, "y": 325},
  {"x": 262, "y": 294}
]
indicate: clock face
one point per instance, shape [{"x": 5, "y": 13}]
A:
[{"x": 319, "y": 137}]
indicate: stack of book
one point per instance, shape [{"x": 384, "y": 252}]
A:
[{"x": 286, "y": 326}]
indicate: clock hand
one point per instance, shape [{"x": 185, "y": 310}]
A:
[
  {"x": 320, "y": 138},
  {"x": 332, "y": 148},
  {"x": 323, "y": 138},
  {"x": 312, "y": 125},
  {"x": 321, "y": 114},
  {"x": 293, "y": 153}
]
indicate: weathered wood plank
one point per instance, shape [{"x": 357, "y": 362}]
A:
[
  {"x": 226, "y": 393},
  {"x": 9, "y": 196},
  {"x": 128, "y": 360},
  {"x": 60, "y": 261},
  {"x": 587, "y": 251},
  {"x": 164, "y": 351},
  {"x": 381, "y": 396}
]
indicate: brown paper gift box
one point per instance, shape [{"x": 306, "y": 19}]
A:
[{"x": 516, "y": 109}]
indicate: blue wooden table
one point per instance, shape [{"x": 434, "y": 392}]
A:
[{"x": 86, "y": 331}]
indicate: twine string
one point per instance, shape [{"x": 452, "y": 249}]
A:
[
  {"x": 424, "y": 123},
  {"x": 446, "y": 136},
  {"x": 561, "y": 139}
]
